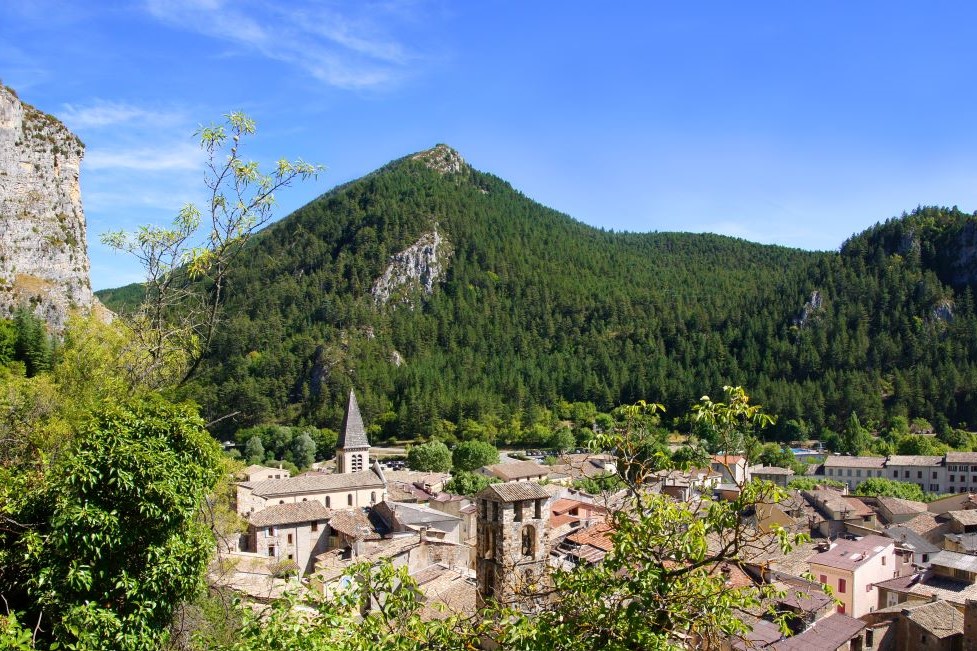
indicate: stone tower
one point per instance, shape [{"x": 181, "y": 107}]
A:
[
  {"x": 353, "y": 448},
  {"x": 512, "y": 544}
]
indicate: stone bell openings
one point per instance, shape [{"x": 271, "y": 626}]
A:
[{"x": 512, "y": 544}]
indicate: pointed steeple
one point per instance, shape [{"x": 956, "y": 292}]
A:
[
  {"x": 352, "y": 434},
  {"x": 353, "y": 448}
]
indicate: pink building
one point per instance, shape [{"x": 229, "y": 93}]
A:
[{"x": 851, "y": 568}]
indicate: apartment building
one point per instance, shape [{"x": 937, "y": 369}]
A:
[
  {"x": 954, "y": 472},
  {"x": 852, "y": 568}
]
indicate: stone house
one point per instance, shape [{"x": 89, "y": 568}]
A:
[
  {"x": 732, "y": 468},
  {"x": 294, "y": 532},
  {"x": 773, "y": 474},
  {"x": 333, "y": 491},
  {"x": 256, "y": 473}
]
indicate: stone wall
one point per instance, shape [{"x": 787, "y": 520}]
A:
[{"x": 43, "y": 246}]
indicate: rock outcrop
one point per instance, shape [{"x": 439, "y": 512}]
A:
[
  {"x": 43, "y": 250},
  {"x": 413, "y": 272},
  {"x": 442, "y": 159}
]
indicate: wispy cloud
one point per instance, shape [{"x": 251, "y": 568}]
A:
[
  {"x": 347, "y": 50},
  {"x": 155, "y": 159},
  {"x": 103, "y": 113}
]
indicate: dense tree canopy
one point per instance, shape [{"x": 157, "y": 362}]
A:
[{"x": 537, "y": 311}]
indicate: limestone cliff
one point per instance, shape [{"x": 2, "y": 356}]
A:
[
  {"x": 414, "y": 271},
  {"x": 43, "y": 250}
]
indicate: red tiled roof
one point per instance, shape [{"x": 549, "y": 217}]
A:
[{"x": 598, "y": 535}]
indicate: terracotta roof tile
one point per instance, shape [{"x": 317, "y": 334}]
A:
[{"x": 598, "y": 535}]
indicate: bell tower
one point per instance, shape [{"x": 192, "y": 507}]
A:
[
  {"x": 512, "y": 547},
  {"x": 353, "y": 448}
]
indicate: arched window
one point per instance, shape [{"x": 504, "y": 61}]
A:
[
  {"x": 305, "y": 499},
  {"x": 528, "y": 541},
  {"x": 281, "y": 501}
]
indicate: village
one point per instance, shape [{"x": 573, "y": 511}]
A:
[{"x": 875, "y": 572}]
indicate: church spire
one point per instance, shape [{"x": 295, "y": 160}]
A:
[{"x": 353, "y": 448}]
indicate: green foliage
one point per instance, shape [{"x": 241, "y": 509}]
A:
[
  {"x": 608, "y": 483},
  {"x": 468, "y": 483},
  {"x": 303, "y": 450},
  {"x": 880, "y": 486},
  {"x": 429, "y": 457},
  {"x": 280, "y": 441},
  {"x": 254, "y": 451},
  {"x": 8, "y": 341},
  {"x": 855, "y": 439},
  {"x": 115, "y": 542},
  {"x": 562, "y": 440},
  {"x": 916, "y": 444},
  {"x": 810, "y": 483},
  {"x": 513, "y": 329},
  {"x": 472, "y": 455},
  {"x": 32, "y": 345}
]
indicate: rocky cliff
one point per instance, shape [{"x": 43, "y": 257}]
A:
[
  {"x": 414, "y": 271},
  {"x": 43, "y": 250}
]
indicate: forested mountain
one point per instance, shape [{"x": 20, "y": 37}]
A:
[{"x": 529, "y": 309}]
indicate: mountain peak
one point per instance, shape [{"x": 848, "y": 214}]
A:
[{"x": 442, "y": 159}]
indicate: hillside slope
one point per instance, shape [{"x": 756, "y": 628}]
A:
[{"x": 445, "y": 297}]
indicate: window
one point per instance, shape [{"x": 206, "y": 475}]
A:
[
  {"x": 328, "y": 501},
  {"x": 906, "y": 474},
  {"x": 934, "y": 488},
  {"x": 373, "y": 497},
  {"x": 934, "y": 475},
  {"x": 281, "y": 501},
  {"x": 926, "y": 558},
  {"x": 841, "y": 608},
  {"x": 870, "y": 637},
  {"x": 291, "y": 557},
  {"x": 824, "y": 579},
  {"x": 315, "y": 525},
  {"x": 269, "y": 532},
  {"x": 539, "y": 509},
  {"x": 974, "y": 479},
  {"x": 883, "y": 564},
  {"x": 919, "y": 474},
  {"x": 528, "y": 541},
  {"x": 953, "y": 478},
  {"x": 858, "y": 473},
  {"x": 849, "y": 472},
  {"x": 271, "y": 550},
  {"x": 289, "y": 539},
  {"x": 349, "y": 500},
  {"x": 305, "y": 499},
  {"x": 830, "y": 472},
  {"x": 842, "y": 585},
  {"x": 895, "y": 473},
  {"x": 518, "y": 516}
]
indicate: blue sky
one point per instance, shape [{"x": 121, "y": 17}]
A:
[{"x": 778, "y": 122}]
